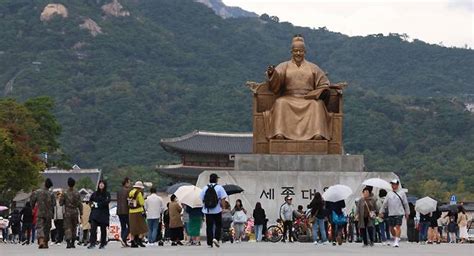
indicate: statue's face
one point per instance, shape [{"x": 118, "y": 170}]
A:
[{"x": 298, "y": 53}]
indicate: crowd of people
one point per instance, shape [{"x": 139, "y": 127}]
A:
[{"x": 51, "y": 218}]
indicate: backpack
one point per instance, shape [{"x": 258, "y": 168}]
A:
[
  {"x": 132, "y": 201},
  {"x": 210, "y": 197},
  {"x": 338, "y": 219}
]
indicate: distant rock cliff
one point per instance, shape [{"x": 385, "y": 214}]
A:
[{"x": 226, "y": 11}]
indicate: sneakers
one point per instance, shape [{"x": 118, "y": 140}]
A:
[
  {"x": 395, "y": 243},
  {"x": 325, "y": 243},
  {"x": 216, "y": 243},
  {"x": 315, "y": 243}
]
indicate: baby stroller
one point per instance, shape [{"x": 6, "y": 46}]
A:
[{"x": 227, "y": 227}]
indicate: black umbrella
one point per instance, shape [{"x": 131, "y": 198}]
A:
[
  {"x": 232, "y": 189},
  {"x": 171, "y": 189}
]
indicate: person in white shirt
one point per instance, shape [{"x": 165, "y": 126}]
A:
[
  {"x": 154, "y": 207},
  {"x": 397, "y": 204}
]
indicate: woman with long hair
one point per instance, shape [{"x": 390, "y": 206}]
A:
[
  {"x": 462, "y": 223},
  {"x": 317, "y": 216},
  {"x": 259, "y": 220},
  {"x": 99, "y": 217},
  {"x": 240, "y": 219}
]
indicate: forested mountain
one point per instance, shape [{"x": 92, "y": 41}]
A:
[{"x": 126, "y": 73}]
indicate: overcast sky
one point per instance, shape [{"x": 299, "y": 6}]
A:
[{"x": 448, "y": 21}]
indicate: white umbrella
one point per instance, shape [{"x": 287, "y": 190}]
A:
[
  {"x": 426, "y": 205},
  {"x": 189, "y": 195},
  {"x": 337, "y": 193},
  {"x": 378, "y": 183},
  {"x": 3, "y": 208}
]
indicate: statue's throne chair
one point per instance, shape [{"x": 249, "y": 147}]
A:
[{"x": 263, "y": 100}]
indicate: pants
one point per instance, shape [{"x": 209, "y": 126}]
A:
[
  {"x": 26, "y": 232},
  {"x": 85, "y": 236},
  {"x": 124, "y": 226},
  {"x": 213, "y": 227},
  {"x": 239, "y": 230},
  {"x": 424, "y": 231},
  {"x": 366, "y": 230},
  {"x": 59, "y": 230},
  {"x": 288, "y": 228},
  {"x": 153, "y": 229},
  {"x": 337, "y": 231},
  {"x": 70, "y": 227},
  {"x": 103, "y": 233},
  {"x": 4, "y": 234},
  {"x": 452, "y": 237},
  {"x": 258, "y": 232},
  {"x": 43, "y": 227},
  {"x": 33, "y": 233},
  {"x": 382, "y": 230},
  {"x": 318, "y": 225}
]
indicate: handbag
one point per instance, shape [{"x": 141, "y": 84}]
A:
[
  {"x": 338, "y": 219},
  {"x": 240, "y": 217},
  {"x": 372, "y": 214}
]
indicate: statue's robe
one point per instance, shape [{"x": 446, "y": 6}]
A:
[{"x": 298, "y": 113}]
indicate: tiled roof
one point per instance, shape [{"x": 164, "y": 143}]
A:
[
  {"x": 210, "y": 143},
  {"x": 59, "y": 177}
]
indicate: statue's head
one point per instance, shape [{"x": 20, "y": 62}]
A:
[{"x": 298, "y": 48}]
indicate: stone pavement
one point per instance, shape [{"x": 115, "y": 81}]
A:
[{"x": 250, "y": 248}]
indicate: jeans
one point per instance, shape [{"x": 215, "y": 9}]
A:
[
  {"x": 152, "y": 229},
  {"x": 382, "y": 231},
  {"x": 424, "y": 231},
  {"x": 213, "y": 227},
  {"x": 258, "y": 232},
  {"x": 124, "y": 226},
  {"x": 319, "y": 225},
  {"x": 33, "y": 233}
]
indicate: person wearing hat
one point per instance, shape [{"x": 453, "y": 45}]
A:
[
  {"x": 286, "y": 214},
  {"x": 71, "y": 200},
  {"x": 213, "y": 197},
  {"x": 138, "y": 226},
  {"x": 100, "y": 215},
  {"x": 397, "y": 204},
  {"x": 45, "y": 202}
]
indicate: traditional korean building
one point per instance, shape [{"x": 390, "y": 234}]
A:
[{"x": 201, "y": 150}]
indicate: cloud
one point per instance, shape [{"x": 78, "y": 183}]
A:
[{"x": 467, "y": 5}]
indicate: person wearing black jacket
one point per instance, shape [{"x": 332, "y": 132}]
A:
[
  {"x": 318, "y": 215},
  {"x": 259, "y": 220},
  {"x": 27, "y": 219},
  {"x": 99, "y": 217}
]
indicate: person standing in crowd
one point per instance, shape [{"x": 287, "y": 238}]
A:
[
  {"x": 286, "y": 214},
  {"x": 259, "y": 220},
  {"x": 85, "y": 225},
  {"x": 239, "y": 215},
  {"x": 381, "y": 220},
  {"x": 59, "y": 219},
  {"x": 71, "y": 200},
  {"x": 397, "y": 204},
  {"x": 4, "y": 229},
  {"x": 452, "y": 227},
  {"x": 166, "y": 222},
  {"x": 154, "y": 207},
  {"x": 412, "y": 232},
  {"x": 462, "y": 223},
  {"x": 176, "y": 224},
  {"x": 213, "y": 195},
  {"x": 100, "y": 215},
  {"x": 317, "y": 216},
  {"x": 366, "y": 212},
  {"x": 33, "y": 227},
  {"x": 195, "y": 223},
  {"x": 338, "y": 220},
  {"x": 424, "y": 225},
  {"x": 433, "y": 235},
  {"x": 27, "y": 219},
  {"x": 45, "y": 202},
  {"x": 123, "y": 210},
  {"x": 15, "y": 226},
  {"x": 138, "y": 227}
]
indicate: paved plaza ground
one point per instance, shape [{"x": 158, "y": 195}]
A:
[{"x": 249, "y": 248}]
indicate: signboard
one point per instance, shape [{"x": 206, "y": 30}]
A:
[{"x": 453, "y": 200}]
